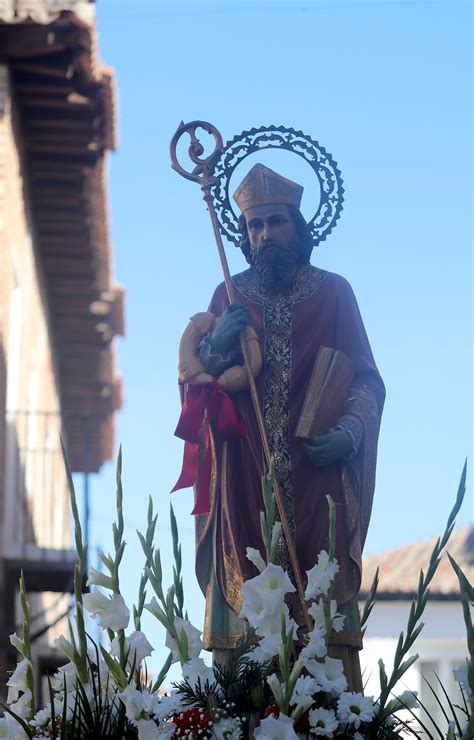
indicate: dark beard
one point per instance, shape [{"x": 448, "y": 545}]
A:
[{"x": 276, "y": 266}]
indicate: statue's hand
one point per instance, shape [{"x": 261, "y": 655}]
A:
[
  {"x": 227, "y": 328},
  {"x": 328, "y": 448}
]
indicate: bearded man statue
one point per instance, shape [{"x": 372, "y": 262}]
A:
[{"x": 295, "y": 308}]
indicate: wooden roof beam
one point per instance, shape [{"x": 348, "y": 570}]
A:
[{"x": 63, "y": 71}]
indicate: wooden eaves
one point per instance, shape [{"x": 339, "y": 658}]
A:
[{"x": 64, "y": 104}]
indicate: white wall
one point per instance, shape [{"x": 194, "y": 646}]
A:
[{"x": 441, "y": 647}]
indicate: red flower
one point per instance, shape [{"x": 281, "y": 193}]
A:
[
  {"x": 272, "y": 711},
  {"x": 301, "y": 726},
  {"x": 191, "y": 721}
]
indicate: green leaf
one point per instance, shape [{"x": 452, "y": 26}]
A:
[
  {"x": 115, "y": 668},
  {"x": 382, "y": 674},
  {"x": 163, "y": 673},
  {"x": 369, "y": 602}
]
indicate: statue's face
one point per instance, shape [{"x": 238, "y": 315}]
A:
[{"x": 270, "y": 225}]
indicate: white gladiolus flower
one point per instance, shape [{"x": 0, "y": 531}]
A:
[
  {"x": 97, "y": 578},
  {"x": 267, "y": 648},
  {"x": 270, "y": 630},
  {"x": 255, "y": 557},
  {"x": 195, "y": 669},
  {"x": 353, "y": 708},
  {"x": 316, "y": 610},
  {"x": 17, "y": 681},
  {"x": 137, "y": 647},
  {"x": 10, "y": 729},
  {"x": 153, "y": 607},
  {"x": 65, "y": 647},
  {"x": 277, "y": 688},
  {"x": 112, "y": 613},
  {"x": 316, "y": 647},
  {"x": 17, "y": 642},
  {"x": 305, "y": 687},
  {"x": 264, "y": 595},
  {"x": 151, "y": 702},
  {"x": 66, "y": 674},
  {"x": 322, "y": 722},
  {"x": 321, "y": 575},
  {"x": 133, "y": 701},
  {"x": 22, "y": 707},
  {"x": 228, "y": 729},
  {"x": 193, "y": 637},
  {"x": 408, "y": 700},
  {"x": 273, "y": 728},
  {"x": 254, "y": 608},
  {"x": 168, "y": 706},
  {"x": 303, "y": 703},
  {"x": 148, "y": 729},
  {"x": 460, "y": 675},
  {"x": 270, "y": 624},
  {"x": 329, "y": 675}
]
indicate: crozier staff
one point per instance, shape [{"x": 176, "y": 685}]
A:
[{"x": 295, "y": 308}]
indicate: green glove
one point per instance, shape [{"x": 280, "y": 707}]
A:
[
  {"x": 227, "y": 328},
  {"x": 328, "y": 448}
]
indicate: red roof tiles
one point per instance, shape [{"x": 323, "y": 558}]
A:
[{"x": 399, "y": 570}]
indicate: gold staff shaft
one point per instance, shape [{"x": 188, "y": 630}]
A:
[{"x": 258, "y": 412}]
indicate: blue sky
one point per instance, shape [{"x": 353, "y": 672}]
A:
[{"x": 385, "y": 87}]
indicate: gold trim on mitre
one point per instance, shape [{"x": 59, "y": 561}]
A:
[{"x": 262, "y": 186}]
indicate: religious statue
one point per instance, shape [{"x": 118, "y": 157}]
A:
[{"x": 290, "y": 309}]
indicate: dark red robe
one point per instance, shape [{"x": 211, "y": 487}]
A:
[{"x": 319, "y": 310}]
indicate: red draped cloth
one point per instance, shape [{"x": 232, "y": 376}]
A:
[{"x": 321, "y": 310}]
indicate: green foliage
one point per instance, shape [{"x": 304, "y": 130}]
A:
[
  {"x": 414, "y": 626},
  {"x": 269, "y": 527},
  {"x": 467, "y": 599},
  {"x": 241, "y": 685},
  {"x": 80, "y": 654},
  {"x": 147, "y": 545},
  {"x": 241, "y": 688},
  {"x": 369, "y": 603}
]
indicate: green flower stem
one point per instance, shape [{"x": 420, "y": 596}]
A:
[
  {"x": 26, "y": 652},
  {"x": 414, "y": 626},
  {"x": 467, "y": 596},
  {"x": 326, "y": 598},
  {"x": 177, "y": 567},
  {"x": 80, "y": 652},
  {"x": 369, "y": 603},
  {"x": 332, "y": 528},
  {"x": 148, "y": 540},
  {"x": 173, "y": 603},
  {"x": 163, "y": 673},
  {"x": 288, "y": 673},
  {"x": 267, "y": 518},
  {"x": 119, "y": 546}
]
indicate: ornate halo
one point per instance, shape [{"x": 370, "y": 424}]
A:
[{"x": 278, "y": 137}]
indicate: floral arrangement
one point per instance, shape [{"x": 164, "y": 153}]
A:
[{"x": 281, "y": 684}]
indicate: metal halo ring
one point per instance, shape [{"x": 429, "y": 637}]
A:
[{"x": 278, "y": 137}]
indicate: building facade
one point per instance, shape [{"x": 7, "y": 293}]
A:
[
  {"x": 442, "y": 644},
  {"x": 59, "y": 306}
]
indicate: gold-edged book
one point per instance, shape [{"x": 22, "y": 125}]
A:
[{"x": 326, "y": 394}]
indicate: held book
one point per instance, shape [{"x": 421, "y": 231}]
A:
[{"x": 326, "y": 393}]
